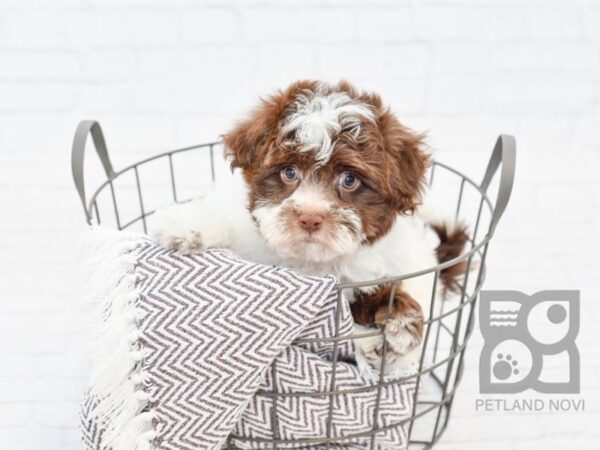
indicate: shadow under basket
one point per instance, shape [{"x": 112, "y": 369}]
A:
[{"x": 126, "y": 198}]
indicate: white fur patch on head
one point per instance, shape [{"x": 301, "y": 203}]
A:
[{"x": 321, "y": 115}]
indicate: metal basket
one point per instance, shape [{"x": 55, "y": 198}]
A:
[{"x": 450, "y": 321}]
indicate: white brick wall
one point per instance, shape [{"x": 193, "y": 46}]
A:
[{"x": 165, "y": 73}]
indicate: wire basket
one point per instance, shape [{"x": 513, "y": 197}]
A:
[{"x": 123, "y": 200}]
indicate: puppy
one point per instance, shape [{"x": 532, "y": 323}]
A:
[{"x": 331, "y": 182}]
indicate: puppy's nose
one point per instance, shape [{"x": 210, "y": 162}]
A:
[{"x": 310, "y": 221}]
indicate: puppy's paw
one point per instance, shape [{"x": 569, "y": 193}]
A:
[
  {"x": 170, "y": 230},
  {"x": 403, "y": 332},
  {"x": 402, "y": 322},
  {"x": 402, "y": 326},
  {"x": 371, "y": 350},
  {"x": 187, "y": 243},
  {"x": 189, "y": 229},
  {"x": 369, "y": 344}
]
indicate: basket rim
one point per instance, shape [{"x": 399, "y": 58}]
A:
[{"x": 476, "y": 247}]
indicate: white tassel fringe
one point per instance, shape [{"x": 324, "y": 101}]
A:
[{"x": 118, "y": 376}]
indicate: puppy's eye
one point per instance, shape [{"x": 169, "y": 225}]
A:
[
  {"x": 289, "y": 174},
  {"x": 349, "y": 181}
]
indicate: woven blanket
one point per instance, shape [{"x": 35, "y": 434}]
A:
[{"x": 190, "y": 350}]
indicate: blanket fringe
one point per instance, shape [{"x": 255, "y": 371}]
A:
[{"x": 118, "y": 376}]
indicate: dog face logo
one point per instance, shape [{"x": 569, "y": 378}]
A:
[{"x": 526, "y": 339}]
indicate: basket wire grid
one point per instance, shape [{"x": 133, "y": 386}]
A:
[{"x": 450, "y": 321}]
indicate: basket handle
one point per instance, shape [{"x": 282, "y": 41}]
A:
[
  {"x": 504, "y": 152},
  {"x": 85, "y": 128}
]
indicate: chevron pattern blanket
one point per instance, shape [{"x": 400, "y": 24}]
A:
[{"x": 191, "y": 350}]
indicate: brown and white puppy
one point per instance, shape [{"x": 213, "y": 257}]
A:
[{"x": 332, "y": 183}]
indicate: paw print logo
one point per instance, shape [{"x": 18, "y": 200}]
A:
[
  {"x": 522, "y": 333},
  {"x": 505, "y": 367}
]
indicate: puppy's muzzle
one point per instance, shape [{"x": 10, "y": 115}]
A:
[{"x": 310, "y": 221}]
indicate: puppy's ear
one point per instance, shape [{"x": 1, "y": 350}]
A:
[
  {"x": 407, "y": 162},
  {"x": 249, "y": 140}
]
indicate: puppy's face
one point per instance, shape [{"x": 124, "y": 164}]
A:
[{"x": 328, "y": 169}]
